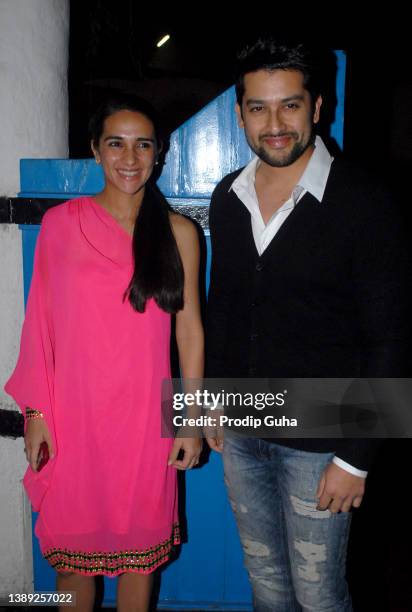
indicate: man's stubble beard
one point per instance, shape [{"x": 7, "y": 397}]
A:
[{"x": 297, "y": 151}]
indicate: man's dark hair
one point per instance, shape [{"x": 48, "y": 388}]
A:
[{"x": 268, "y": 54}]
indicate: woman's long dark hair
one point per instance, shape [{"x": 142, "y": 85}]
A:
[{"x": 158, "y": 270}]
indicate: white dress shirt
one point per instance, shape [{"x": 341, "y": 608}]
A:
[{"x": 314, "y": 180}]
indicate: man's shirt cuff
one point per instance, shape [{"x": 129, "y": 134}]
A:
[{"x": 349, "y": 468}]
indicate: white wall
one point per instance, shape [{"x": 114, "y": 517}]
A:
[
  {"x": 33, "y": 77},
  {"x": 16, "y": 574},
  {"x": 34, "y": 124}
]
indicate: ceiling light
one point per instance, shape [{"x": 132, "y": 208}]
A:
[{"x": 163, "y": 40}]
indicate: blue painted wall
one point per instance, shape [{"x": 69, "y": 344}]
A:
[{"x": 209, "y": 573}]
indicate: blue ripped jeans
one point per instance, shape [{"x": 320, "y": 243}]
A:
[{"x": 295, "y": 555}]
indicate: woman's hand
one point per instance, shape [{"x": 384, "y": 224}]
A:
[
  {"x": 36, "y": 433},
  {"x": 191, "y": 447}
]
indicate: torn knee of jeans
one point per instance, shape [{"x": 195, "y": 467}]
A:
[
  {"x": 312, "y": 554},
  {"x": 308, "y": 508},
  {"x": 265, "y": 577},
  {"x": 265, "y": 572},
  {"x": 268, "y": 584},
  {"x": 255, "y": 548},
  {"x": 262, "y": 581}
]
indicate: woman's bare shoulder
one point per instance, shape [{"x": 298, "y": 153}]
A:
[{"x": 183, "y": 228}]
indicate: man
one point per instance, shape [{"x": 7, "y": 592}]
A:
[{"x": 307, "y": 280}]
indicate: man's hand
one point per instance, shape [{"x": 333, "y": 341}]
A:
[
  {"x": 215, "y": 444},
  {"x": 214, "y": 436},
  {"x": 191, "y": 448},
  {"x": 339, "y": 490},
  {"x": 36, "y": 433}
]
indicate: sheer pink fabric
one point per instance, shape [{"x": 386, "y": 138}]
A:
[{"x": 94, "y": 367}]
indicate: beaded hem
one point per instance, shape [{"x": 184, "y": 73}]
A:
[{"x": 112, "y": 564}]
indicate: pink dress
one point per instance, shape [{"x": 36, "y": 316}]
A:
[{"x": 107, "y": 502}]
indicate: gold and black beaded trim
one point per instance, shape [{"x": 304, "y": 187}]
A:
[
  {"x": 111, "y": 564},
  {"x": 33, "y": 414}
]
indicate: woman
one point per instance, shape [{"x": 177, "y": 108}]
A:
[{"x": 108, "y": 272}]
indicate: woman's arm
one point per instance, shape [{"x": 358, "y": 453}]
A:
[
  {"x": 189, "y": 330},
  {"x": 31, "y": 382}
]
